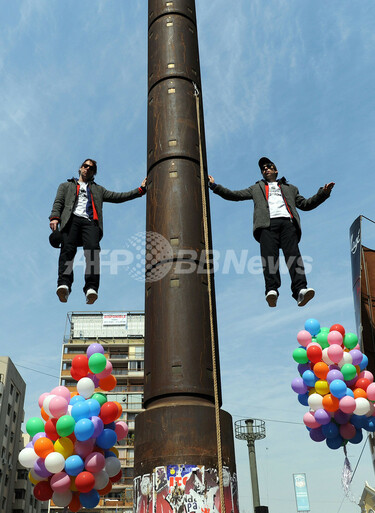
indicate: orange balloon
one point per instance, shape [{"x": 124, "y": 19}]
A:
[
  {"x": 119, "y": 409},
  {"x": 107, "y": 384},
  {"x": 43, "y": 446},
  {"x": 321, "y": 370},
  {"x": 72, "y": 394},
  {"x": 359, "y": 392},
  {"x": 330, "y": 403},
  {"x": 106, "y": 489},
  {"x": 44, "y": 414}
]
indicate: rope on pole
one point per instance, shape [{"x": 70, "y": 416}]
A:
[{"x": 214, "y": 364}]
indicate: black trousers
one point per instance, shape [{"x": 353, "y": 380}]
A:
[
  {"x": 86, "y": 233},
  {"x": 281, "y": 234}
]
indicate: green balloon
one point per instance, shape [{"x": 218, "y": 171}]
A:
[
  {"x": 101, "y": 398},
  {"x": 65, "y": 425},
  {"x": 300, "y": 355},
  {"x": 97, "y": 363},
  {"x": 322, "y": 339},
  {"x": 324, "y": 329},
  {"x": 34, "y": 425},
  {"x": 350, "y": 340},
  {"x": 348, "y": 371}
]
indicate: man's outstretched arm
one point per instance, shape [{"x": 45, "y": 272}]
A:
[
  {"x": 228, "y": 194},
  {"x": 316, "y": 200}
]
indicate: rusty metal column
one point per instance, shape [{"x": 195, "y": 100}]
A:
[{"x": 175, "y": 437}]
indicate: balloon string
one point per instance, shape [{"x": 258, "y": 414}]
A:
[{"x": 346, "y": 478}]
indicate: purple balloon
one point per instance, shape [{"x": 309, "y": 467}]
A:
[
  {"x": 37, "y": 436},
  {"x": 317, "y": 435},
  {"x": 94, "y": 379},
  {"x": 302, "y": 367},
  {"x": 94, "y": 348},
  {"x": 351, "y": 382},
  {"x": 30, "y": 444},
  {"x": 334, "y": 374},
  {"x": 40, "y": 468},
  {"x": 341, "y": 417},
  {"x": 322, "y": 416},
  {"x": 98, "y": 426},
  {"x": 356, "y": 355},
  {"x": 298, "y": 386}
]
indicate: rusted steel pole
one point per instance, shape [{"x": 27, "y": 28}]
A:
[{"x": 176, "y": 456}]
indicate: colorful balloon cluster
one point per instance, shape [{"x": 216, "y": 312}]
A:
[
  {"x": 71, "y": 457},
  {"x": 335, "y": 384}
]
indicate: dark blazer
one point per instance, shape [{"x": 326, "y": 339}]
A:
[{"x": 257, "y": 193}]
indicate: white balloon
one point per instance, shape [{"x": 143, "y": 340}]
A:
[
  {"x": 346, "y": 358},
  {"x": 69, "y": 412},
  {"x": 85, "y": 387},
  {"x": 54, "y": 462},
  {"x": 315, "y": 401},
  {"x": 112, "y": 466},
  {"x": 62, "y": 498},
  {"x": 363, "y": 406},
  {"x": 101, "y": 480},
  {"x": 46, "y": 404},
  {"x": 27, "y": 457},
  {"x": 325, "y": 358}
]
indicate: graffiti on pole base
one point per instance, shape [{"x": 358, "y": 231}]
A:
[{"x": 184, "y": 489}]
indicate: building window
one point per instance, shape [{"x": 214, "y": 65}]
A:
[
  {"x": 9, "y": 409},
  {"x": 6, "y": 479},
  {"x": 17, "y": 397},
  {"x": 6, "y": 430},
  {"x": 19, "y": 494},
  {"x": 14, "y": 416},
  {"x": 11, "y": 389}
]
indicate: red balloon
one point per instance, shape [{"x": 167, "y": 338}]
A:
[
  {"x": 80, "y": 364},
  {"x": 76, "y": 375},
  {"x": 338, "y": 327},
  {"x": 314, "y": 353},
  {"x": 116, "y": 478},
  {"x": 108, "y": 412},
  {"x": 43, "y": 491},
  {"x": 50, "y": 429},
  {"x": 75, "y": 504},
  {"x": 362, "y": 383},
  {"x": 106, "y": 489},
  {"x": 85, "y": 482}
]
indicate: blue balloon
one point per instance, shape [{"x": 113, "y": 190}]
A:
[
  {"x": 370, "y": 421},
  {"x": 81, "y": 410},
  {"x": 338, "y": 388},
  {"x": 350, "y": 392},
  {"x": 76, "y": 399},
  {"x": 84, "y": 429},
  {"x": 302, "y": 367},
  {"x": 74, "y": 465},
  {"x": 303, "y": 399},
  {"x": 309, "y": 378},
  {"x": 359, "y": 421},
  {"x": 330, "y": 430},
  {"x": 106, "y": 439},
  {"x": 109, "y": 454},
  {"x": 89, "y": 500},
  {"x": 312, "y": 326},
  {"x": 94, "y": 406},
  {"x": 335, "y": 443},
  {"x": 363, "y": 363},
  {"x": 357, "y": 438},
  {"x": 112, "y": 425}
]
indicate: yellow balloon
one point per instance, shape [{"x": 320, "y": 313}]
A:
[
  {"x": 312, "y": 391},
  {"x": 32, "y": 479},
  {"x": 322, "y": 387},
  {"x": 64, "y": 446},
  {"x": 73, "y": 484},
  {"x": 115, "y": 451}
]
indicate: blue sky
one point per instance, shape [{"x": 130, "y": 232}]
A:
[{"x": 292, "y": 80}]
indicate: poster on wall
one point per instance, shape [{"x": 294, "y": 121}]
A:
[
  {"x": 300, "y": 490},
  {"x": 115, "y": 319},
  {"x": 184, "y": 489}
]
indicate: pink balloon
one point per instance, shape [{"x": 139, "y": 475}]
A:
[
  {"x": 347, "y": 404},
  {"x": 304, "y": 338},
  {"x": 371, "y": 392},
  {"x": 94, "y": 462},
  {"x": 41, "y": 398},
  {"x": 367, "y": 375},
  {"x": 60, "y": 482},
  {"x": 121, "y": 429},
  {"x": 335, "y": 351},
  {"x": 347, "y": 431},
  {"x": 309, "y": 420},
  {"x": 62, "y": 392},
  {"x": 83, "y": 449},
  {"x": 334, "y": 337},
  {"x": 58, "y": 406},
  {"x": 107, "y": 371}
]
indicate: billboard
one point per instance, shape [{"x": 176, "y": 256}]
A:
[{"x": 300, "y": 490}]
